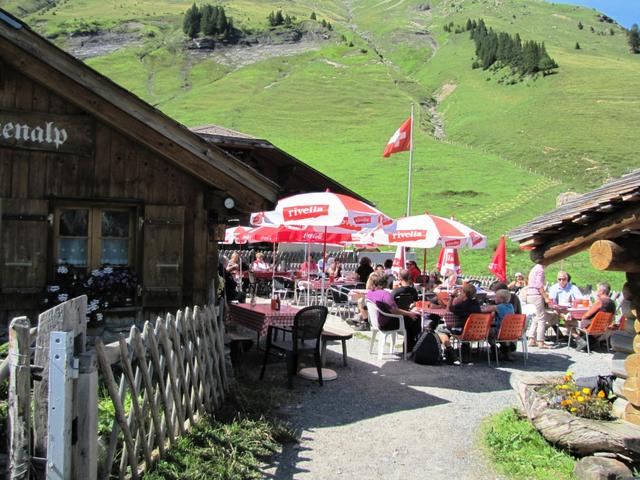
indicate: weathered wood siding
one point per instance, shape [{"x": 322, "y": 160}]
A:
[{"x": 117, "y": 169}]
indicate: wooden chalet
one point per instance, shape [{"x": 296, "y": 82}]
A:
[
  {"x": 605, "y": 221},
  {"x": 91, "y": 175}
]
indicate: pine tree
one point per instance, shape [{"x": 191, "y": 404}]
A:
[
  {"x": 279, "y": 18},
  {"x": 580, "y": 26},
  {"x": 577, "y": 46},
  {"x": 634, "y": 39},
  {"x": 207, "y": 22},
  {"x": 221, "y": 23},
  {"x": 271, "y": 18},
  {"x": 191, "y": 22},
  {"x": 469, "y": 25},
  {"x": 313, "y": 16}
]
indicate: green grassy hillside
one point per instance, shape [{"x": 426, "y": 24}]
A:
[{"x": 508, "y": 150}]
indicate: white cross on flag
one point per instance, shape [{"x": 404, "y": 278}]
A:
[{"x": 400, "y": 141}]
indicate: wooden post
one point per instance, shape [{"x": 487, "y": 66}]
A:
[
  {"x": 616, "y": 257},
  {"x": 69, "y": 316},
  {"x": 19, "y": 399},
  {"x": 85, "y": 411}
]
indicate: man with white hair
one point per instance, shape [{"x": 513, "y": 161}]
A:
[{"x": 603, "y": 303}]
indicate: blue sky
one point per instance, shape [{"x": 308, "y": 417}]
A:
[{"x": 625, "y": 12}]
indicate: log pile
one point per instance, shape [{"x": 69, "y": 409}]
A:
[{"x": 623, "y": 254}]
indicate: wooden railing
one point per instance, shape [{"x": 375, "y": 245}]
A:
[{"x": 160, "y": 381}]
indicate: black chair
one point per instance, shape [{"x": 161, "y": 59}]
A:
[
  {"x": 305, "y": 337},
  {"x": 340, "y": 301},
  {"x": 404, "y": 300}
]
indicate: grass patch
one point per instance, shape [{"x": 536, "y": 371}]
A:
[
  {"x": 215, "y": 449},
  {"x": 517, "y": 449},
  {"x": 244, "y": 435}
]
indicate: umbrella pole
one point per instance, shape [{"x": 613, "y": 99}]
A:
[
  {"x": 306, "y": 259},
  {"x": 324, "y": 264},
  {"x": 424, "y": 276},
  {"x": 239, "y": 286},
  {"x": 273, "y": 271}
]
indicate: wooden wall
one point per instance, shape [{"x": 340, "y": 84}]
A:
[{"x": 116, "y": 169}]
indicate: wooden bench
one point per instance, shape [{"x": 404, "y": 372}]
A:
[{"x": 333, "y": 335}]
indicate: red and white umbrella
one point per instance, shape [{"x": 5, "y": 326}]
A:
[
  {"x": 235, "y": 235},
  {"x": 399, "y": 261},
  {"x": 327, "y": 209},
  {"x": 429, "y": 231},
  {"x": 448, "y": 262}
]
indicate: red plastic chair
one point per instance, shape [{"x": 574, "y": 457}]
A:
[
  {"x": 598, "y": 326},
  {"x": 476, "y": 329},
  {"x": 512, "y": 329}
]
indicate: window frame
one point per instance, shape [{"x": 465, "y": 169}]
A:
[{"x": 94, "y": 233}]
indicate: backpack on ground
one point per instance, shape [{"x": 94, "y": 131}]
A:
[{"x": 428, "y": 349}]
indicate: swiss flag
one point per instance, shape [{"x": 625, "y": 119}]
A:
[
  {"x": 400, "y": 141},
  {"x": 498, "y": 265}
]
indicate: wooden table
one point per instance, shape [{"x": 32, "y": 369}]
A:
[{"x": 260, "y": 316}]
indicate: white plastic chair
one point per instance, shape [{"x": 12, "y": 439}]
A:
[{"x": 373, "y": 312}]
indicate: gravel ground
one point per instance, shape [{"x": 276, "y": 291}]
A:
[{"x": 390, "y": 419}]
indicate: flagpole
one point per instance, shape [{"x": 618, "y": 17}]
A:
[{"x": 410, "y": 165}]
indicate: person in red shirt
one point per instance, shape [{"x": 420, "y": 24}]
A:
[{"x": 414, "y": 271}]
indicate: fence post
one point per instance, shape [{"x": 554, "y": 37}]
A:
[
  {"x": 63, "y": 368},
  {"x": 19, "y": 399},
  {"x": 85, "y": 411}
]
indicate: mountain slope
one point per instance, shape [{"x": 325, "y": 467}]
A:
[{"x": 507, "y": 151}]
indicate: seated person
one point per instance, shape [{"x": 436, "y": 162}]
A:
[
  {"x": 414, "y": 271},
  {"x": 564, "y": 292},
  {"x": 386, "y": 304},
  {"x": 603, "y": 303},
  {"x": 518, "y": 283},
  {"x": 259, "y": 265},
  {"x": 335, "y": 269},
  {"x": 362, "y": 323},
  {"x": 452, "y": 280},
  {"x": 364, "y": 269},
  {"x": 502, "y": 307},
  {"x": 308, "y": 267},
  {"x": 463, "y": 304},
  {"x": 406, "y": 290},
  {"x": 514, "y": 298}
]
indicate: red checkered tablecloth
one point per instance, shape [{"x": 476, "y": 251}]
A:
[
  {"x": 448, "y": 317},
  {"x": 260, "y": 316}
]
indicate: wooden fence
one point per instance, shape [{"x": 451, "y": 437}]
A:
[{"x": 160, "y": 381}]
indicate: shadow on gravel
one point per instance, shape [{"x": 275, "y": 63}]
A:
[{"x": 366, "y": 390}]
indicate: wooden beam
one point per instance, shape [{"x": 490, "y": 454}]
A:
[
  {"x": 615, "y": 257},
  {"x": 110, "y": 103},
  {"x": 578, "y": 240}
]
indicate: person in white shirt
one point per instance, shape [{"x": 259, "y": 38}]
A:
[
  {"x": 564, "y": 292},
  {"x": 259, "y": 265}
]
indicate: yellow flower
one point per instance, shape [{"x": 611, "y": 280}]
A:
[
  {"x": 565, "y": 387},
  {"x": 586, "y": 391},
  {"x": 558, "y": 387},
  {"x": 601, "y": 394},
  {"x": 581, "y": 398},
  {"x": 574, "y": 409}
]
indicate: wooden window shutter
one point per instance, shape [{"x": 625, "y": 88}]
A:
[
  {"x": 163, "y": 256},
  {"x": 24, "y": 231}
]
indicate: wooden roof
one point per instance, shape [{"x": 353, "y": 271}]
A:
[
  {"x": 291, "y": 174},
  {"x": 70, "y": 78},
  {"x": 611, "y": 211}
]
